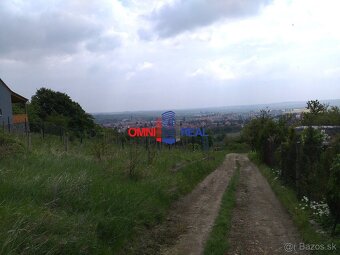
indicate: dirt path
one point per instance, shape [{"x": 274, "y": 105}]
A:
[
  {"x": 194, "y": 215},
  {"x": 260, "y": 224}
]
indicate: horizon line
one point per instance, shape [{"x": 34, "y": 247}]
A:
[{"x": 214, "y": 107}]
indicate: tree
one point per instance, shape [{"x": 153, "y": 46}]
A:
[
  {"x": 59, "y": 109},
  {"x": 315, "y": 107},
  {"x": 321, "y": 114},
  {"x": 250, "y": 133},
  {"x": 264, "y": 135}
]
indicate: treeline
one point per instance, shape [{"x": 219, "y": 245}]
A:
[
  {"x": 56, "y": 112},
  {"x": 308, "y": 159}
]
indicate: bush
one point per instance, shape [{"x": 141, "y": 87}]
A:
[{"x": 333, "y": 192}]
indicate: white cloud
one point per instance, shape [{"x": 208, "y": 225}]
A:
[
  {"x": 217, "y": 69},
  {"x": 145, "y": 65},
  {"x": 289, "y": 50},
  {"x": 332, "y": 72}
]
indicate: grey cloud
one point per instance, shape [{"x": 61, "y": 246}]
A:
[
  {"x": 104, "y": 43},
  {"x": 184, "y": 15},
  {"x": 145, "y": 34},
  {"x": 52, "y": 31}
]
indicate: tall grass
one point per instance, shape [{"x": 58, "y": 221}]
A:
[{"x": 57, "y": 202}]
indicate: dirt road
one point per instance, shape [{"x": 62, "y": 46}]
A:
[
  {"x": 194, "y": 215},
  {"x": 260, "y": 224}
]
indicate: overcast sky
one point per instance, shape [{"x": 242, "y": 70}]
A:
[{"x": 112, "y": 55}]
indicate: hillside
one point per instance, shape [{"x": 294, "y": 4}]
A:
[{"x": 57, "y": 202}]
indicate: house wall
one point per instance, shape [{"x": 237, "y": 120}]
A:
[{"x": 5, "y": 105}]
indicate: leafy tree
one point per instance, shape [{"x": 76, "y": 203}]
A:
[
  {"x": 250, "y": 133},
  {"x": 321, "y": 114},
  {"x": 315, "y": 107},
  {"x": 59, "y": 109},
  {"x": 264, "y": 135}
]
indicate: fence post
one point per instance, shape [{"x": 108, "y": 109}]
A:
[
  {"x": 9, "y": 125},
  {"x": 297, "y": 166},
  {"x": 122, "y": 141},
  {"x": 66, "y": 141},
  {"x": 43, "y": 130},
  {"x": 26, "y": 130},
  {"x": 29, "y": 141}
]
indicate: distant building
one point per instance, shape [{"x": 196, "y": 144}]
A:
[
  {"x": 7, "y": 99},
  {"x": 330, "y": 130}
]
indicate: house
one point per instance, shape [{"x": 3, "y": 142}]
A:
[{"x": 8, "y": 98}]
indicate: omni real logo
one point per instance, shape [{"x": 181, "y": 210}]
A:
[{"x": 165, "y": 130}]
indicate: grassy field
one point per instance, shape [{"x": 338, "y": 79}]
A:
[
  {"x": 300, "y": 217},
  {"x": 92, "y": 199},
  {"x": 217, "y": 243}
]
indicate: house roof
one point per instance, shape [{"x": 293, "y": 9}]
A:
[{"x": 16, "y": 98}]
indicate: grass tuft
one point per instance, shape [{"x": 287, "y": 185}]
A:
[{"x": 217, "y": 242}]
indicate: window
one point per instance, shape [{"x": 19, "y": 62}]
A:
[{"x": 0, "y": 112}]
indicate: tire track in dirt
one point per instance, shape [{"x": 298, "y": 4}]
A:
[
  {"x": 260, "y": 224},
  {"x": 194, "y": 215}
]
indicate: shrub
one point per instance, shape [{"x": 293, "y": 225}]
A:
[{"x": 333, "y": 192}]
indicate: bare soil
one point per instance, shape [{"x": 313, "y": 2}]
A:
[
  {"x": 194, "y": 215},
  {"x": 260, "y": 224}
]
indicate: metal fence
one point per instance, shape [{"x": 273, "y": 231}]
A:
[{"x": 108, "y": 136}]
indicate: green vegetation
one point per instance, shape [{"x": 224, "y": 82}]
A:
[
  {"x": 9, "y": 146},
  {"x": 88, "y": 200},
  {"x": 321, "y": 114},
  {"x": 18, "y": 108},
  {"x": 333, "y": 191},
  {"x": 230, "y": 141},
  {"x": 57, "y": 109},
  {"x": 306, "y": 160},
  {"x": 217, "y": 241},
  {"x": 234, "y": 142},
  {"x": 300, "y": 216}
]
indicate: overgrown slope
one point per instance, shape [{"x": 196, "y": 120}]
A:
[{"x": 53, "y": 202}]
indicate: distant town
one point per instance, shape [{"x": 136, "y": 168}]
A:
[
  {"x": 210, "y": 118},
  {"x": 203, "y": 119}
]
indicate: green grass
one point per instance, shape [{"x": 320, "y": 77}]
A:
[
  {"x": 57, "y": 202},
  {"x": 217, "y": 242},
  {"x": 301, "y": 218}
]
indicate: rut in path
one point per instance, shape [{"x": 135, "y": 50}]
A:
[
  {"x": 260, "y": 224},
  {"x": 197, "y": 211}
]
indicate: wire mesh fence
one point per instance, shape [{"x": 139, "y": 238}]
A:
[{"x": 33, "y": 133}]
